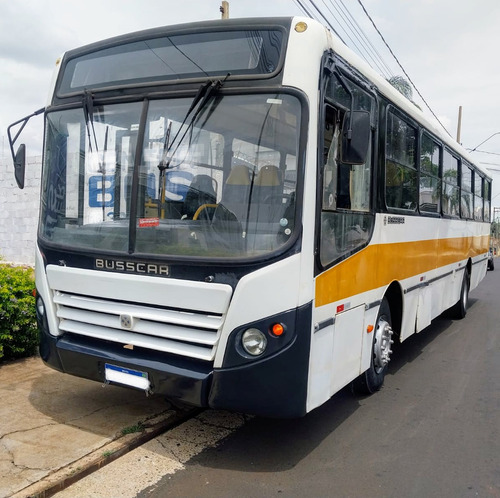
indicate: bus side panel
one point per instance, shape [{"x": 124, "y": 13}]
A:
[
  {"x": 340, "y": 347},
  {"x": 320, "y": 363},
  {"x": 411, "y": 308},
  {"x": 347, "y": 343}
]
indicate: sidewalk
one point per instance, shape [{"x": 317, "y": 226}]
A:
[{"x": 55, "y": 428}]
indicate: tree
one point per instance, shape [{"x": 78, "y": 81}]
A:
[{"x": 402, "y": 86}]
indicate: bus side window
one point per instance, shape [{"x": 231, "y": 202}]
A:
[
  {"x": 345, "y": 220},
  {"x": 400, "y": 167},
  {"x": 330, "y": 149}
]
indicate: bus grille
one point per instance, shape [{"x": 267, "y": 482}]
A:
[{"x": 179, "y": 332}]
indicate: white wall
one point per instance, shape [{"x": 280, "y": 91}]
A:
[{"x": 19, "y": 211}]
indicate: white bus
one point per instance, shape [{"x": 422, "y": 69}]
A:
[{"x": 242, "y": 215}]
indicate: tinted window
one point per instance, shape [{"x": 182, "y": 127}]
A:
[
  {"x": 451, "y": 192},
  {"x": 430, "y": 183},
  {"x": 175, "y": 57},
  {"x": 346, "y": 222},
  {"x": 466, "y": 196},
  {"x": 185, "y": 199},
  {"x": 487, "y": 199},
  {"x": 478, "y": 197},
  {"x": 400, "y": 165}
]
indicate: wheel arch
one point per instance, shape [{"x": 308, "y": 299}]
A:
[
  {"x": 468, "y": 267},
  {"x": 394, "y": 296}
]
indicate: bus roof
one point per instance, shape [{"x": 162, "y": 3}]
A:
[{"x": 266, "y": 23}]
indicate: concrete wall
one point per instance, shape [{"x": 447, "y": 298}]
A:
[{"x": 19, "y": 211}]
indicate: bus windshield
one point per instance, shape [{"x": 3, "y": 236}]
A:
[{"x": 133, "y": 178}]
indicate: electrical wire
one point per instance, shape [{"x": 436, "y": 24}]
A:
[
  {"x": 326, "y": 20},
  {"x": 485, "y": 152},
  {"x": 303, "y": 9},
  {"x": 364, "y": 37},
  {"x": 402, "y": 68},
  {"x": 356, "y": 42}
]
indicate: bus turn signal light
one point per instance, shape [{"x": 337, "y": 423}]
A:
[
  {"x": 277, "y": 329},
  {"x": 369, "y": 329}
]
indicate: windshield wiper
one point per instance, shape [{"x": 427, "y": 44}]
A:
[
  {"x": 204, "y": 94},
  {"x": 88, "y": 112}
]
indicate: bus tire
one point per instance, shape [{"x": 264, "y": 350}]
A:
[
  {"x": 372, "y": 379},
  {"x": 459, "y": 310}
]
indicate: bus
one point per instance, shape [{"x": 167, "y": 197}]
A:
[{"x": 242, "y": 215}]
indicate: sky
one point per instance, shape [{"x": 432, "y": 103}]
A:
[{"x": 449, "y": 49}]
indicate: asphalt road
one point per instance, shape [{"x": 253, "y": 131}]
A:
[{"x": 432, "y": 431}]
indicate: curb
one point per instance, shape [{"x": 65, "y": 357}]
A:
[{"x": 73, "y": 472}]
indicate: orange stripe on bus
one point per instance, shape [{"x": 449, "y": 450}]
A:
[{"x": 380, "y": 264}]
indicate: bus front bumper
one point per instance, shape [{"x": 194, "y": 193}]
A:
[{"x": 272, "y": 387}]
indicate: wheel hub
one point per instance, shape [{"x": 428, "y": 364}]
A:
[{"x": 382, "y": 344}]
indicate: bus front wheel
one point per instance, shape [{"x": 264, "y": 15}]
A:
[{"x": 371, "y": 380}]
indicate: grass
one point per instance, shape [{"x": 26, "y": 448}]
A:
[{"x": 133, "y": 429}]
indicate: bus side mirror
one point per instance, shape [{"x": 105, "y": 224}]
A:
[
  {"x": 355, "y": 137},
  {"x": 20, "y": 156},
  {"x": 20, "y": 165}
]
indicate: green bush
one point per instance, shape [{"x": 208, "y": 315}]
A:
[{"x": 18, "y": 328}]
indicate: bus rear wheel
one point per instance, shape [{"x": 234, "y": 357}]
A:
[{"x": 372, "y": 380}]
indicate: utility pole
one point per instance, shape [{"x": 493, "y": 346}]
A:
[
  {"x": 459, "y": 125},
  {"x": 224, "y": 9}
]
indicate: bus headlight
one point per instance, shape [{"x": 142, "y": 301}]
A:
[
  {"x": 254, "y": 342},
  {"x": 40, "y": 306}
]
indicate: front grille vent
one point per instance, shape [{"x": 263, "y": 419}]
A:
[{"x": 179, "y": 332}]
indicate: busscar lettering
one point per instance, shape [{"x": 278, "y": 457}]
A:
[
  {"x": 395, "y": 220},
  {"x": 131, "y": 267}
]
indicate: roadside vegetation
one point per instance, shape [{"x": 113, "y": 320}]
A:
[{"x": 18, "y": 329}]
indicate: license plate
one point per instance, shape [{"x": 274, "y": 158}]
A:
[{"x": 127, "y": 376}]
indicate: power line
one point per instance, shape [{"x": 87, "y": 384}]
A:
[
  {"x": 312, "y": 16},
  {"x": 326, "y": 20},
  {"x": 401, "y": 66},
  {"x": 363, "y": 38},
  {"x": 303, "y": 8},
  {"x": 344, "y": 30},
  {"x": 363, "y": 53},
  {"x": 356, "y": 40},
  {"x": 485, "y": 152},
  {"x": 484, "y": 141}
]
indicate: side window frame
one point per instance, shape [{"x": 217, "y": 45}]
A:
[
  {"x": 450, "y": 183},
  {"x": 343, "y": 229},
  {"x": 402, "y": 177},
  {"x": 487, "y": 200},
  {"x": 432, "y": 173},
  {"x": 466, "y": 190},
  {"x": 478, "y": 189}
]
